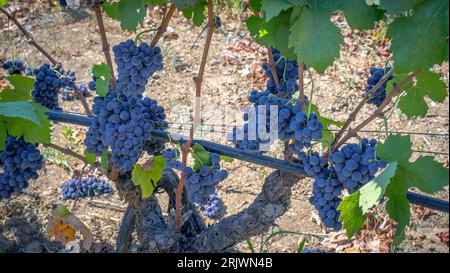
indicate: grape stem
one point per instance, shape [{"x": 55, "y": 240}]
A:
[
  {"x": 164, "y": 24},
  {"x": 301, "y": 84},
  {"x": 66, "y": 151},
  {"x": 105, "y": 45},
  {"x": 272, "y": 66},
  {"x": 366, "y": 98},
  {"x": 198, "y": 88},
  {"x": 33, "y": 42},
  {"x": 378, "y": 112},
  {"x": 71, "y": 153}
]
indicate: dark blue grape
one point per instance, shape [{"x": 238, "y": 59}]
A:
[
  {"x": 377, "y": 74},
  {"x": 86, "y": 187},
  {"x": 355, "y": 165},
  {"x": 20, "y": 162}
]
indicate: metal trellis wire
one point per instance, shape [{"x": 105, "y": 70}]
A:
[{"x": 274, "y": 163}]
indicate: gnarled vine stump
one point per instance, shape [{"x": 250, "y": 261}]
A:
[{"x": 157, "y": 233}]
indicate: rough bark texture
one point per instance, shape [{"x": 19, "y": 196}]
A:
[
  {"x": 157, "y": 234},
  {"x": 273, "y": 202}
]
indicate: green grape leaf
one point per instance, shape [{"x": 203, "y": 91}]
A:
[
  {"x": 201, "y": 157},
  {"x": 196, "y": 13},
  {"x": 328, "y": 136},
  {"x": 184, "y": 4},
  {"x": 90, "y": 157},
  {"x": 103, "y": 74},
  {"x": 254, "y": 24},
  {"x": 272, "y": 8},
  {"x": 298, "y": 2},
  {"x": 398, "y": 78},
  {"x": 148, "y": 179},
  {"x": 398, "y": 206},
  {"x": 399, "y": 6},
  {"x": 112, "y": 10},
  {"x": 255, "y": 5},
  {"x": 3, "y": 136},
  {"x": 155, "y": 2},
  {"x": 19, "y": 109},
  {"x": 428, "y": 84},
  {"x": 359, "y": 15},
  {"x": 428, "y": 175},
  {"x": 315, "y": 39},
  {"x": 395, "y": 148},
  {"x": 351, "y": 214},
  {"x": 129, "y": 13},
  {"x": 420, "y": 41},
  {"x": 3, "y": 2},
  {"x": 273, "y": 33},
  {"x": 425, "y": 174},
  {"x": 355, "y": 206},
  {"x": 21, "y": 91},
  {"x": 104, "y": 160},
  {"x": 31, "y": 131}
]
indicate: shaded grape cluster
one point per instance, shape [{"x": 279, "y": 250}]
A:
[
  {"x": 20, "y": 162},
  {"x": 48, "y": 83},
  {"x": 287, "y": 72},
  {"x": 158, "y": 120},
  {"x": 213, "y": 206},
  {"x": 84, "y": 187},
  {"x": 201, "y": 183},
  {"x": 135, "y": 65},
  {"x": 68, "y": 93},
  {"x": 305, "y": 130},
  {"x": 312, "y": 163},
  {"x": 326, "y": 198},
  {"x": 16, "y": 67},
  {"x": 91, "y": 84},
  {"x": 355, "y": 165},
  {"x": 376, "y": 74}
]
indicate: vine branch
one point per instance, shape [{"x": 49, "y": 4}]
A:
[
  {"x": 358, "y": 108},
  {"x": 105, "y": 44},
  {"x": 164, "y": 24},
  {"x": 272, "y": 66},
  {"x": 66, "y": 151},
  {"x": 379, "y": 111},
  {"x": 198, "y": 88},
  {"x": 33, "y": 42}
]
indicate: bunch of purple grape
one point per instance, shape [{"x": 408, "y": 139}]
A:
[
  {"x": 287, "y": 72},
  {"x": 377, "y": 74},
  {"x": 48, "y": 83},
  {"x": 123, "y": 119},
  {"x": 135, "y": 65},
  {"x": 201, "y": 183},
  {"x": 305, "y": 129},
  {"x": 20, "y": 162},
  {"x": 68, "y": 93},
  {"x": 122, "y": 124},
  {"x": 85, "y": 187},
  {"x": 213, "y": 206},
  {"x": 326, "y": 197},
  {"x": 16, "y": 67},
  {"x": 355, "y": 165}
]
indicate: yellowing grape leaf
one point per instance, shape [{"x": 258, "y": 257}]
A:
[{"x": 63, "y": 225}]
